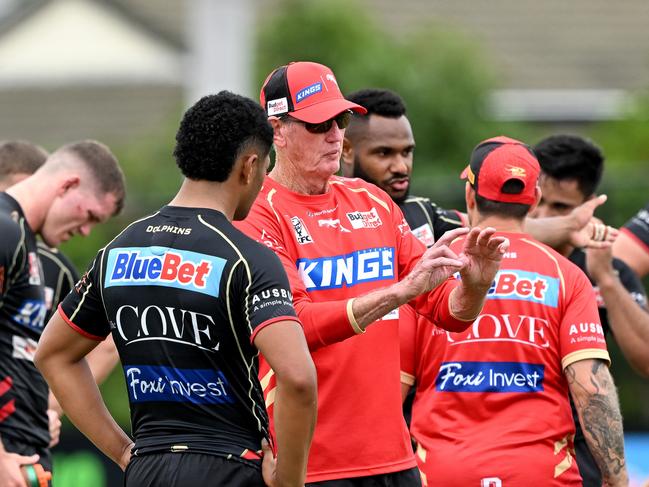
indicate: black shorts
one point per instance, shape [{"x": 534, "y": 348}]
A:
[
  {"x": 13, "y": 446},
  {"x": 185, "y": 469},
  {"x": 587, "y": 465},
  {"x": 405, "y": 478}
]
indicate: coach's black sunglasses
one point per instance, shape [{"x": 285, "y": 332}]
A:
[{"x": 342, "y": 120}]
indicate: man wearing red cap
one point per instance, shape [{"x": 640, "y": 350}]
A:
[
  {"x": 352, "y": 261},
  {"x": 492, "y": 405}
]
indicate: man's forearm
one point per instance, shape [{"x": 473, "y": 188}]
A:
[
  {"x": 629, "y": 322},
  {"x": 75, "y": 389},
  {"x": 295, "y": 410},
  {"x": 595, "y": 398}
]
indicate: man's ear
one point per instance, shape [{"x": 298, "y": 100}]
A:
[
  {"x": 247, "y": 163},
  {"x": 469, "y": 196},
  {"x": 279, "y": 138},
  {"x": 67, "y": 183},
  {"x": 347, "y": 158}
]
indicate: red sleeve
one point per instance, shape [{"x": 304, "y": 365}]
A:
[
  {"x": 324, "y": 323},
  {"x": 581, "y": 334},
  {"x": 408, "y": 344}
]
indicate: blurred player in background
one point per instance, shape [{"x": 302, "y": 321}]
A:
[
  {"x": 78, "y": 186},
  {"x": 18, "y": 160},
  {"x": 191, "y": 302},
  {"x": 632, "y": 245},
  {"x": 492, "y": 402},
  {"x": 352, "y": 261},
  {"x": 571, "y": 170}
]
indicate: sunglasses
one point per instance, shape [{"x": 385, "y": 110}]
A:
[{"x": 342, "y": 120}]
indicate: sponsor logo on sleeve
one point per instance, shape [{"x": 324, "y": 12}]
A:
[
  {"x": 642, "y": 218},
  {"x": 276, "y": 296},
  {"x": 490, "y": 377},
  {"x": 364, "y": 219},
  {"x": 424, "y": 234},
  {"x": 586, "y": 333},
  {"x": 161, "y": 266},
  {"x": 277, "y": 107},
  {"x": 23, "y": 348},
  {"x": 525, "y": 286},
  {"x": 269, "y": 241},
  {"x": 34, "y": 269},
  {"x": 302, "y": 234},
  {"x": 32, "y": 314},
  {"x": 373, "y": 264},
  {"x": 146, "y": 383},
  {"x": 305, "y": 93}
]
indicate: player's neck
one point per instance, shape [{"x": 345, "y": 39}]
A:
[
  {"x": 35, "y": 199},
  {"x": 510, "y": 225},
  {"x": 206, "y": 194},
  {"x": 289, "y": 176}
]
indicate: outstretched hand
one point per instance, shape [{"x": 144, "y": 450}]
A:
[
  {"x": 436, "y": 265},
  {"x": 482, "y": 253},
  {"x": 589, "y": 231}
]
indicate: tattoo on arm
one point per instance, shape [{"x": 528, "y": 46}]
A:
[{"x": 596, "y": 401}]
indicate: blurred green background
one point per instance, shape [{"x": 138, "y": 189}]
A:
[{"x": 445, "y": 78}]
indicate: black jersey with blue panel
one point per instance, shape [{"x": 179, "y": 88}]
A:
[
  {"x": 59, "y": 276},
  {"x": 587, "y": 466},
  {"x": 428, "y": 221},
  {"x": 638, "y": 226},
  {"x": 23, "y": 391},
  {"x": 184, "y": 294}
]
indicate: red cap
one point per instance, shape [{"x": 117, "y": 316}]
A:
[
  {"x": 498, "y": 160},
  {"x": 306, "y": 91}
]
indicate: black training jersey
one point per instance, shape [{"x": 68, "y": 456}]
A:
[
  {"x": 587, "y": 465},
  {"x": 23, "y": 391},
  {"x": 638, "y": 226},
  {"x": 184, "y": 294},
  {"x": 59, "y": 276},
  {"x": 427, "y": 220}
]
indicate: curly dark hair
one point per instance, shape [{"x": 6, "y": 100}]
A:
[
  {"x": 384, "y": 103},
  {"x": 571, "y": 157},
  {"x": 215, "y": 131}
]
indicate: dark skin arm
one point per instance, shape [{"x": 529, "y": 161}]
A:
[{"x": 61, "y": 359}]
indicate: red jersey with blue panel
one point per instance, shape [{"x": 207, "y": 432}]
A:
[
  {"x": 492, "y": 405},
  {"x": 336, "y": 246}
]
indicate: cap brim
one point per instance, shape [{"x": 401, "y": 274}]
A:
[{"x": 321, "y": 112}]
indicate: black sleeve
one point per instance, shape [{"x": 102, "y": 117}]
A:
[
  {"x": 83, "y": 308},
  {"x": 639, "y": 225},
  {"x": 12, "y": 252},
  {"x": 265, "y": 290},
  {"x": 631, "y": 282},
  {"x": 444, "y": 220}
]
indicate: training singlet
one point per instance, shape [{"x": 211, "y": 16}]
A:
[
  {"x": 638, "y": 227},
  {"x": 23, "y": 391},
  {"x": 184, "y": 294},
  {"x": 587, "y": 465},
  {"x": 336, "y": 246},
  {"x": 59, "y": 276},
  {"x": 492, "y": 403},
  {"x": 428, "y": 221}
]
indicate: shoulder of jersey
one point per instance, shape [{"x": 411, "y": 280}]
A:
[
  {"x": 416, "y": 199},
  {"x": 358, "y": 183}
]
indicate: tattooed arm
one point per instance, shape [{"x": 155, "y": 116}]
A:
[{"x": 595, "y": 398}]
